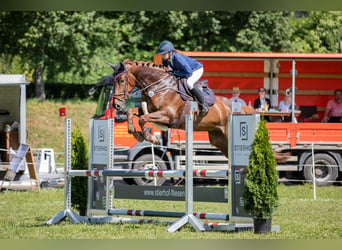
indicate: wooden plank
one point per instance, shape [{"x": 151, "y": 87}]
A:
[
  {"x": 276, "y": 75},
  {"x": 329, "y": 92},
  {"x": 32, "y": 168},
  {"x": 235, "y": 74}
]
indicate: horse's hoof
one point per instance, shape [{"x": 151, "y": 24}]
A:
[{"x": 139, "y": 137}]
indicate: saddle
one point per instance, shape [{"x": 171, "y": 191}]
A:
[{"x": 186, "y": 95}]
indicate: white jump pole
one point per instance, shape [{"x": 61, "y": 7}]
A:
[{"x": 149, "y": 173}]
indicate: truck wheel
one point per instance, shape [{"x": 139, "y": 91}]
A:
[
  {"x": 326, "y": 170},
  {"x": 129, "y": 181},
  {"x": 144, "y": 162},
  {"x": 44, "y": 184}
]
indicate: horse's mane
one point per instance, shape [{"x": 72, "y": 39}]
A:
[{"x": 146, "y": 64}]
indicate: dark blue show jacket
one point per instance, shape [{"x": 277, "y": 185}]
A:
[{"x": 182, "y": 66}]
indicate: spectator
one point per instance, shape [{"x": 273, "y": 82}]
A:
[
  {"x": 262, "y": 103},
  {"x": 333, "y": 111},
  {"x": 235, "y": 98},
  {"x": 286, "y": 105}
]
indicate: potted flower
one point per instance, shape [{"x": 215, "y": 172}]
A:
[{"x": 260, "y": 191}]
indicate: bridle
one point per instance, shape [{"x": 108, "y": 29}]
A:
[
  {"x": 125, "y": 93},
  {"x": 129, "y": 76}
]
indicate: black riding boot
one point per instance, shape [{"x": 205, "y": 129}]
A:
[{"x": 204, "y": 107}]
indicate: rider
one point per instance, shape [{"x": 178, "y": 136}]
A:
[{"x": 184, "y": 66}]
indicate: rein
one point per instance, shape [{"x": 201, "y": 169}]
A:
[
  {"x": 129, "y": 74},
  {"x": 148, "y": 86}
]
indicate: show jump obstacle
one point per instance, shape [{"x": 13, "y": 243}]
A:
[{"x": 101, "y": 172}]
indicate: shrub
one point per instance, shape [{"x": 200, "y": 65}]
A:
[
  {"x": 79, "y": 160},
  {"x": 260, "y": 191}
]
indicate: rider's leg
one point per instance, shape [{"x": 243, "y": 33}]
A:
[
  {"x": 196, "y": 92},
  {"x": 204, "y": 107},
  {"x": 196, "y": 75}
]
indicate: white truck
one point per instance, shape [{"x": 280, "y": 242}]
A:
[{"x": 13, "y": 132}]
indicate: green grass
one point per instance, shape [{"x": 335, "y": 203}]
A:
[
  {"x": 45, "y": 128},
  {"x": 23, "y": 215}
]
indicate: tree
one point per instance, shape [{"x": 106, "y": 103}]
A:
[
  {"x": 260, "y": 191},
  {"x": 55, "y": 41},
  {"x": 265, "y": 32},
  {"x": 74, "y": 46},
  {"x": 317, "y": 32},
  {"x": 79, "y": 160}
]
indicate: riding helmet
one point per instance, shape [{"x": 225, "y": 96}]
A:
[{"x": 165, "y": 46}]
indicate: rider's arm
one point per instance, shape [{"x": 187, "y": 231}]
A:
[{"x": 181, "y": 66}]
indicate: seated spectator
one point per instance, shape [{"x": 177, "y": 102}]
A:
[
  {"x": 262, "y": 103},
  {"x": 333, "y": 111},
  {"x": 286, "y": 105},
  {"x": 235, "y": 98}
]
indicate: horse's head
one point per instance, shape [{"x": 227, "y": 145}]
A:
[
  {"x": 122, "y": 86},
  {"x": 129, "y": 74}
]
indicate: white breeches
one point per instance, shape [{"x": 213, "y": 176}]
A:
[{"x": 196, "y": 75}]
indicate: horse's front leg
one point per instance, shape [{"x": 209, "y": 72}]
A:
[
  {"x": 131, "y": 112},
  {"x": 160, "y": 117}
]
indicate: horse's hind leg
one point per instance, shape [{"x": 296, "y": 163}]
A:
[
  {"x": 220, "y": 140},
  {"x": 131, "y": 112}
]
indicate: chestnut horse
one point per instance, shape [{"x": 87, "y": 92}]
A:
[
  {"x": 164, "y": 103},
  {"x": 165, "y": 106}
]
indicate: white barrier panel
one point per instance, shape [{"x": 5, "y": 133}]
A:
[{"x": 101, "y": 158}]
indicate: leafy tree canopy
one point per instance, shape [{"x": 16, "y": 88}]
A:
[{"x": 74, "y": 46}]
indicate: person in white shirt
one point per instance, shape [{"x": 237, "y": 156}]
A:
[
  {"x": 286, "y": 105},
  {"x": 235, "y": 98}
]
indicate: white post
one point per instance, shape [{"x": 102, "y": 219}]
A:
[
  {"x": 67, "y": 212},
  {"x": 189, "y": 164},
  {"x": 67, "y": 162},
  {"x": 197, "y": 224},
  {"x": 293, "y": 117},
  {"x": 110, "y": 164},
  {"x": 313, "y": 170},
  {"x": 154, "y": 164}
]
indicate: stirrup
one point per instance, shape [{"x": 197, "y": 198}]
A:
[{"x": 204, "y": 109}]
